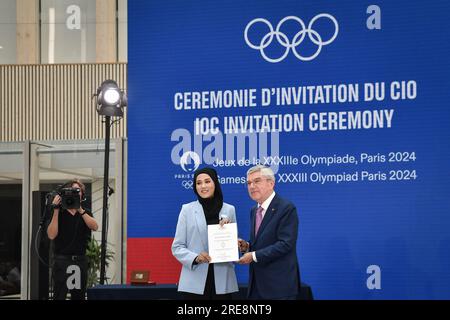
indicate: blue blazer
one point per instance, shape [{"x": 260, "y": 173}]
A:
[
  {"x": 191, "y": 238},
  {"x": 276, "y": 274}
]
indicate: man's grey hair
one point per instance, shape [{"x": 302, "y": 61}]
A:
[{"x": 265, "y": 171}]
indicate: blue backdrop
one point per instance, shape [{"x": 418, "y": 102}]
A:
[{"x": 376, "y": 227}]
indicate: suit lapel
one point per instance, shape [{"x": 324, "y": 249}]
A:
[
  {"x": 252, "y": 224},
  {"x": 201, "y": 224}
]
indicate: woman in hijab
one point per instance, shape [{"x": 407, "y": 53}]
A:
[{"x": 199, "y": 279}]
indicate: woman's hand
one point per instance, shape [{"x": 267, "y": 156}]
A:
[
  {"x": 224, "y": 221},
  {"x": 203, "y": 257}
]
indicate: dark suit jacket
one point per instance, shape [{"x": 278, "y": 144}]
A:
[{"x": 276, "y": 274}]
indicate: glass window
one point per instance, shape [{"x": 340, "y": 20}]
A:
[
  {"x": 60, "y": 162},
  {"x": 51, "y": 164},
  {"x": 123, "y": 32},
  {"x": 11, "y": 166},
  {"x": 7, "y": 31},
  {"x": 68, "y": 31},
  {"x": 71, "y": 31}
]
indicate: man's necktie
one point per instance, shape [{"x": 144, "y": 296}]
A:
[{"x": 259, "y": 218}]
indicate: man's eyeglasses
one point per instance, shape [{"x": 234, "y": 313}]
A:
[{"x": 256, "y": 182}]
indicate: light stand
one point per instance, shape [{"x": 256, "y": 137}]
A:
[
  {"x": 105, "y": 199},
  {"x": 110, "y": 103}
]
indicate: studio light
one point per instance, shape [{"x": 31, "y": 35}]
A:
[
  {"x": 110, "y": 103},
  {"x": 110, "y": 99}
]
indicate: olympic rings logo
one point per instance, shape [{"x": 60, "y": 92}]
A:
[
  {"x": 283, "y": 39},
  {"x": 187, "y": 184}
]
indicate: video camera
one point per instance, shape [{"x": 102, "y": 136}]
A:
[{"x": 70, "y": 197}]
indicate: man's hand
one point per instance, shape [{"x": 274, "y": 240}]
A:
[
  {"x": 203, "y": 257},
  {"x": 56, "y": 200},
  {"x": 246, "y": 258},
  {"x": 243, "y": 245}
]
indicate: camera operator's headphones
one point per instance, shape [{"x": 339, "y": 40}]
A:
[{"x": 80, "y": 185}]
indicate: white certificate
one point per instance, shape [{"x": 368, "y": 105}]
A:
[{"x": 223, "y": 243}]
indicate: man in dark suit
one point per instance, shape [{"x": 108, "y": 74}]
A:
[{"x": 271, "y": 251}]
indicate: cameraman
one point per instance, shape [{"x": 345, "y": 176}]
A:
[{"x": 71, "y": 230}]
